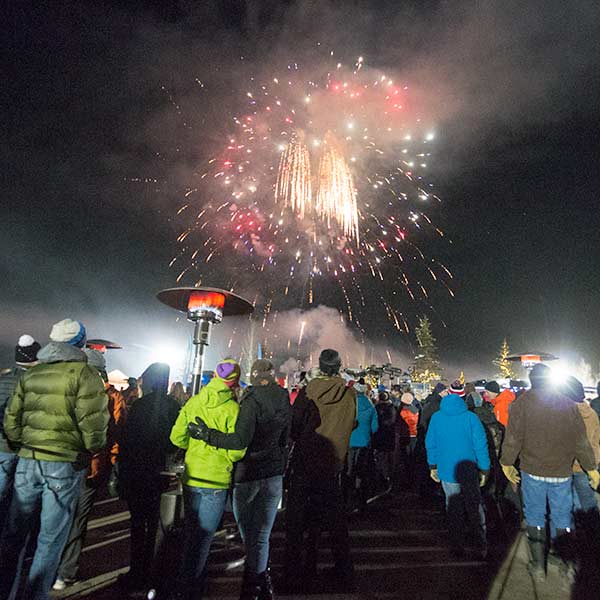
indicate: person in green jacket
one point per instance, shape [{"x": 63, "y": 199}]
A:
[
  {"x": 58, "y": 418},
  {"x": 208, "y": 470}
]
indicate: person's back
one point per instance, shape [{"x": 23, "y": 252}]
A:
[
  {"x": 337, "y": 407},
  {"x": 383, "y": 439},
  {"x": 455, "y": 436},
  {"x": 59, "y": 410},
  {"x": 266, "y": 455},
  {"x": 207, "y": 466},
  {"x": 367, "y": 423},
  {"x": 57, "y": 418},
  {"x": 547, "y": 432}
]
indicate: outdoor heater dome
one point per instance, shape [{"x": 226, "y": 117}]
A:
[
  {"x": 102, "y": 345},
  {"x": 204, "y": 306}
]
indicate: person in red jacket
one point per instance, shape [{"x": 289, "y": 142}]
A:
[
  {"x": 500, "y": 400},
  {"x": 406, "y": 435}
]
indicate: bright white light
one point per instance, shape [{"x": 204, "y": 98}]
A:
[
  {"x": 558, "y": 374},
  {"x": 350, "y": 125},
  {"x": 430, "y": 136},
  {"x": 281, "y": 147}
]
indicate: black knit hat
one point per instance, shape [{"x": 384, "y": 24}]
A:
[
  {"x": 26, "y": 350},
  {"x": 330, "y": 362},
  {"x": 492, "y": 386},
  {"x": 573, "y": 389}
]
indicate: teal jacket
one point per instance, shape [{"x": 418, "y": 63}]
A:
[{"x": 207, "y": 466}]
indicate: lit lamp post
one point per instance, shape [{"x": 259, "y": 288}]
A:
[{"x": 203, "y": 307}]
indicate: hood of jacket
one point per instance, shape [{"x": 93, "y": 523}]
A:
[
  {"x": 215, "y": 393},
  {"x": 60, "y": 352},
  {"x": 364, "y": 404},
  {"x": 326, "y": 390},
  {"x": 453, "y": 404}
]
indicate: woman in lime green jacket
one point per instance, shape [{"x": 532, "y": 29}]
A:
[{"x": 208, "y": 470}]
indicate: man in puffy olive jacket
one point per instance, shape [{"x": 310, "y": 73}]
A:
[{"x": 57, "y": 418}]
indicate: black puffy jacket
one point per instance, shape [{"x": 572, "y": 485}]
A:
[{"x": 262, "y": 427}]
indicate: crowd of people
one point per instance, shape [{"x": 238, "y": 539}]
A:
[{"x": 330, "y": 447}]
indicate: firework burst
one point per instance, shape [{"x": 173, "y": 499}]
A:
[{"x": 321, "y": 179}]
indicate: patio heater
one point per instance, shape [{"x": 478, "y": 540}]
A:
[
  {"x": 529, "y": 359},
  {"x": 102, "y": 345},
  {"x": 203, "y": 307}
]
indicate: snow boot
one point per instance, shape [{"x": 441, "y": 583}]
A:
[
  {"x": 563, "y": 555},
  {"x": 251, "y": 587},
  {"x": 536, "y": 537},
  {"x": 266, "y": 586}
]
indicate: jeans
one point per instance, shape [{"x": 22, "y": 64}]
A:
[
  {"x": 584, "y": 497},
  {"x": 559, "y": 497},
  {"x": 464, "y": 508},
  {"x": 55, "y": 486},
  {"x": 255, "y": 508},
  {"x": 203, "y": 511},
  {"x": 69, "y": 563},
  {"x": 8, "y": 465}
]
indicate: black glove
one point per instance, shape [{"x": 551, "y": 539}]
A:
[{"x": 198, "y": 430}]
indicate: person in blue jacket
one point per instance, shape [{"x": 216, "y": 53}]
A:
[
  {"x": 358, "y": 472},
  {"x": 458, "y": 457}
]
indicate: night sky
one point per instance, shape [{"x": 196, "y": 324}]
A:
[{"x": 96, "y": 156}]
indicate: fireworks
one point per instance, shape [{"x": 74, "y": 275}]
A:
[{"x": 321, "y": 179}]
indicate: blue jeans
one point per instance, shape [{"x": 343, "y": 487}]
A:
[
  {"x": 584, "y": 497},
  {"x": 558, "y": 496},
  {"x": 55, "y": 486},
  {"x": 464, "y": 510},
  {"x": 255, "y": 508},
  {"x": 203, "y": 511}
]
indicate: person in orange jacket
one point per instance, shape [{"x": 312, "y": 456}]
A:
[{"x": 500, "y": 400}]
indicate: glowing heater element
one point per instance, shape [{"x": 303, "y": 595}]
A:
[{"x": 207, "y": 305}]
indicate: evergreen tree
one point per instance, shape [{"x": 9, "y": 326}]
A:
[
  {"x": 504, "y": 366},
  {"x": 427, "y": 365}
]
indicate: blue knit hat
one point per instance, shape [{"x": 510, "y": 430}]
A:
[{"x": 69, "y": 332}]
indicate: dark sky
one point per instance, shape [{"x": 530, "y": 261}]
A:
[{"x": 95, "y": 156}]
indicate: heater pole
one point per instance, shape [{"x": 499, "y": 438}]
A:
[{"x": 201, "y": 340}]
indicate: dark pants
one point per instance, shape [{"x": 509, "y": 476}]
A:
[
  {"x": 404, "y": 463},
  {"x": 144, "y": 507},
  {"x": 315, "y": 506},
  {"x": 69, "y": 563},
  {"x": 465, "y": 512},
  {"x": 49, "y": 489},
  {"x": 8, "y": 466},
  {"x": 255, "y": 508},
  {"x": 358, "y": 476}
]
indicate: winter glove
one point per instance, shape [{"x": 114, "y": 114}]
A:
[
  {"x": 483, "y": 477},
  {"x": 511, "y": 473},
  {"x": 198, "y": 430},
  {"x": 594, "y": 479},
  {"x": 433, "y": 473}
]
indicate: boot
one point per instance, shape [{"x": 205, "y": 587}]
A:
[
  {"x": 251, "y": 587},
  {"x": 266, "y": 585},
  {"x": 536, "y": 537},
  {"x": 562, "y": 555}
]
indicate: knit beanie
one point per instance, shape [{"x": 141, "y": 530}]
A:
[
  {"x": 70, "y": 332},
  {"x": 156, "y": 378},
  {"x": 407, "y": 398},
  {"x": 492, "y": 386},
  {"x": 539, "y": 375},
  {"x": 26, "y": 351},
  {"x": 261, "y": 369},
  {"x": 229, "y": 371},
  {"x": 456, "y": 387},
  {"x": 439, "y": 387},
  {"x": 330, "y": 362},
  {"x": 573, "y": 389}
]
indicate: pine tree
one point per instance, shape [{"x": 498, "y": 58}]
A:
[
  {"x": 427, "y": 365},
  {"x": 505, "y": 370}
]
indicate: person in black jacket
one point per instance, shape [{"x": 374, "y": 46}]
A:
[
  {"x": 384, "y": 439},
  {"x": 263, "y": 428},
  {"x": 143, "y": 454}
]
